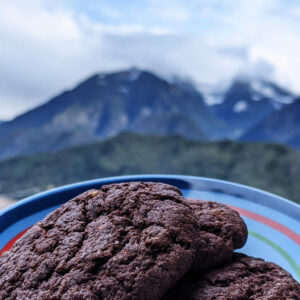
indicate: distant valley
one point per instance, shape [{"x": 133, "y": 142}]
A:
[{"x": 254, "y": 164}]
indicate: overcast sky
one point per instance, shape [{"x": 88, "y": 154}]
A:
[{"x": 47, "y": 46}]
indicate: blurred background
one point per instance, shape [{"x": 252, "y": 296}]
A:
[{"x": 91, "y": 89}]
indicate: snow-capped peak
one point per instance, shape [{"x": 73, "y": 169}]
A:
[{"x": 263, "y": 89}]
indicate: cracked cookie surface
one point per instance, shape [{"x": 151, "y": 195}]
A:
[
  {"x": 125, "y": 241},
  {"x": 244, "y": 278}
]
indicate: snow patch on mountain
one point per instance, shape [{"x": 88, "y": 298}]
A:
[
  {"x": 101, "y": 79},
  {"x": 146, "y": 111},
  {"x": 277, "y": 105},
  {"x": 124, "y": 90},
  {"x": 213, "y": 98},
  {"x": 240, "y": 106},
  {"x": 213, "y": 94},
  {"x": 257, "y": 97},
  {"x": 123, "y": 119},
  {"x": 261, "y": 88},
  {"x": 134, "y": 74}
]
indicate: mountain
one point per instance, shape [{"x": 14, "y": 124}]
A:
[
  {"x": 270, "y": 167},
  {"x": 105, "y": 105},
  {"x": 282, "y": 127},
  {"x": 139, "y": 101},
  {"x": 247, "y": 102}
]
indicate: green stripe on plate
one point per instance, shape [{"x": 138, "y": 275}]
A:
[{"x": 288, "y": 258}]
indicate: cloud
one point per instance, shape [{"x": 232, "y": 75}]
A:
[
  {"x": 241, "y": 53},
  {"x": 48, "y": 46}
]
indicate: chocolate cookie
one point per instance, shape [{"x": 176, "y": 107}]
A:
[
  {"x": 244, "y": 278},
  {"x": 125, "y": 241},
  {"x": 222, "y": 230}
]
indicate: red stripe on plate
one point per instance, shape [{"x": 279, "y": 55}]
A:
[
  {"x": 279, "y": 227},
  {"x": 12, "y": 241}
]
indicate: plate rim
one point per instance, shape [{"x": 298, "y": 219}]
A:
[{"x": 262, "y": 197}]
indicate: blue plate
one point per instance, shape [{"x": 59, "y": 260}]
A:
[{"x": 273, "y": 222}]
